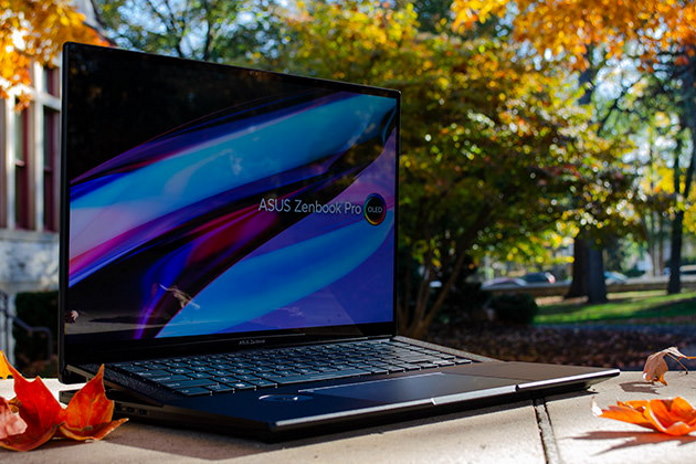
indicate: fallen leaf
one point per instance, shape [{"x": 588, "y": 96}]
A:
[
  {"x": 655, "y": 366},
  {"x": 10, "y": 421},
  {"x": 87, "y": 417},
  {"x": 671, "y": 416},
  {"x": 38, "y": 408},
  {"x": 89, "y": 413},
  {"x": 4, "y": 366}
]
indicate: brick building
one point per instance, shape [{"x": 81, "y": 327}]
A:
[{"x": 29, "y": 184}]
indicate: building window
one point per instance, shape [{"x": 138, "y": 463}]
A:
[
  {"x": 50, "y": 168},
  {"x": 51, "y": 79},
  {"x": 22, "y": 164}
]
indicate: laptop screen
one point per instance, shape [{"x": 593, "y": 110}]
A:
[{"x": 214, "y": 201}]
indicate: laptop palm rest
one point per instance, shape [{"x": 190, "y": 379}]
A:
[{"x": 417, "y": 387}]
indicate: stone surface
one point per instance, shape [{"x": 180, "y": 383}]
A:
[
  {"x": 501, "y": 434},
  {"x": 583, "y": 438}
]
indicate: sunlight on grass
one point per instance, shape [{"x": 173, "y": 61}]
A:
[{"x": 622, "y": 306}]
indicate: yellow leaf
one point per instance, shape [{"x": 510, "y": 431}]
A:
[{"x": 4, "y": 366}]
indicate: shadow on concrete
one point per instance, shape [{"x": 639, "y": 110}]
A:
[
  {"x": 639, "y": 387},
  {"x": 216, "y": 446},
  {"x": 631, "y": 439}
]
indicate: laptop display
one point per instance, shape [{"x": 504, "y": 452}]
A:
[{"x": 211, "y": 201}]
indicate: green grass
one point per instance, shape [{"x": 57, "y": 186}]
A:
[{"x": 622, "y": 306}]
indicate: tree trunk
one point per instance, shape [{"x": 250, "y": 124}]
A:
[
  {"x": 596, "y": 285},
  {"x": 688, "y": 121},
  {"x": 587, "y": 259},
  {"x": 578, "y": 284},
  {"x": 674, "y": 284},
  {"x": 588, "y": 272},
  {"x": 660, "y": 246}
]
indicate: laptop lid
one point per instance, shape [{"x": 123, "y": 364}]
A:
[{"x": 207, "y": 207}]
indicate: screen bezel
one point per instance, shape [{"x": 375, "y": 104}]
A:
[{"x": 81, "y": 353}]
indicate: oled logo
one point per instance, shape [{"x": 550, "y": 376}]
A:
[{"x": 375, "y": 209}]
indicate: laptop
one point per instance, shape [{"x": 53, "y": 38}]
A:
[{"x": 228, "y": 243}]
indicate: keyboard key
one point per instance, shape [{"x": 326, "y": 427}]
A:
[
  {"x": 262, "y": 383},
  {"x": 242, "y": 386},
  {"x": 134, "y": 369},
  {"x": 157, "y": 373},
  {"x": 395, "y": 369},
  {"x": 220, "y": 388},
  {"x": 176, "y": 365},
  {"x": 169, "y": 378},
  {"x": 180, "y": 370},
  {"x": 247, "y": 378},
  {"x": 428, "y": 365},
  {"x": 228, "y": 379},
  {"x": 414, "y": 367},
  {"x": 178, "y": 384},
  {"x": 196, "y": 391}
]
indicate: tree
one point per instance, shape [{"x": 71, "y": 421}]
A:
[
  {"x": 492, "y": 141},
  {"x": 35, "y": 31},
  {"x": 657, "y": 33},
  {"x": 210, "y": 30}
]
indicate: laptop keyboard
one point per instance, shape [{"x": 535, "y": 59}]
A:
[{"x": 269, "y": 368}]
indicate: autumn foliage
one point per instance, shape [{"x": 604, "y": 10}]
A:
[
  {"x": 34, "y": 30},
  {"x": 34, "y": 416},
  {"x": 671, "y": 416},
  {"x": 572, "y": 27}
]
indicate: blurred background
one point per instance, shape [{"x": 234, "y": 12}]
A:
[{"x": 547, "y": 157}]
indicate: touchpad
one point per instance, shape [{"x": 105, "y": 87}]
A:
[{"x": 412, "y": 388}]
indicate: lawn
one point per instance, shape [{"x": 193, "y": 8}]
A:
[
  {"x": 556, "y": 337},
  {"x": 631, "y": 307}
]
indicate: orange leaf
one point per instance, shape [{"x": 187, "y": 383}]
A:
[
  {"x": 10, "y": 422},
  {"x": 624, "y": 411},
  {"x": 38, "y": 408},
  {"x": 89, "y": 413},
  {"x": 671, "y": 416},
  {"x": 40, "y": 416},
  {"x": 4, "y": 366}
]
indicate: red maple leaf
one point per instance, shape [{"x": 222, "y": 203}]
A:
[
  {"x": 88, "y": 416},
  {"x": 39, "y": 410}
]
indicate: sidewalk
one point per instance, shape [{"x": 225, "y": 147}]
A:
[{"x": 560, "y": 429}]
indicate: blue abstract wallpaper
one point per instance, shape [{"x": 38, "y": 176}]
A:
[{"x": 274, "y": 213}]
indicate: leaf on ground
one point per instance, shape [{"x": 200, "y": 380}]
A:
[
  {"x": 38, "y": 408},
  {"x": 655, "y": 366},
  {"x": 89, "y": 413},
  {"x": 4, "y": 366},
  {"x": 34, "y": 416},
  {"x": 10, "y": 421},
  {"x": 671, "y": 416}
]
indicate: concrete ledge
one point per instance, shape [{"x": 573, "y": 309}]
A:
[{"x": 558, "y": 429}]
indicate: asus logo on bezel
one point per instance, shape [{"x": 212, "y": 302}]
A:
[{"x": 252, "y": 341}]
